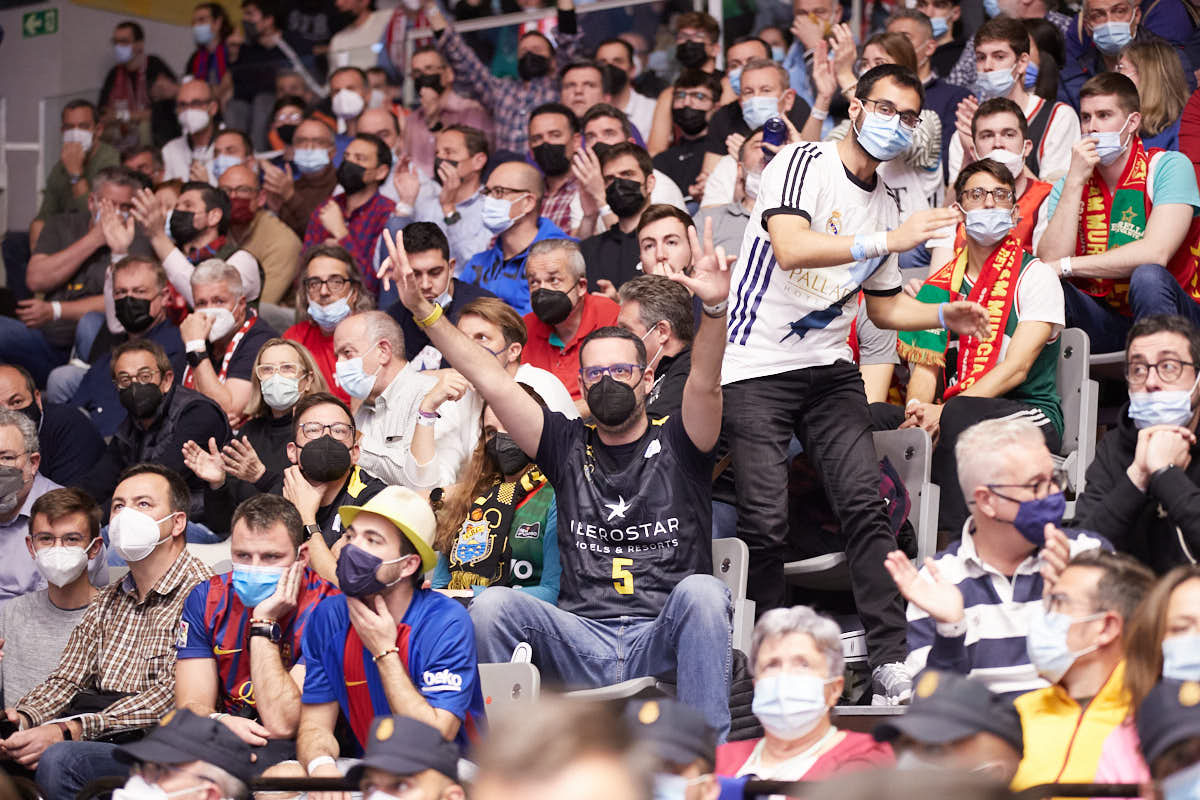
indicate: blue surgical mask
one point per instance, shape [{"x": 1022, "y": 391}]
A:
[
  {"x": 255, "y": 584},
  {"x": 1182, "y": 785},
  {"x": 993, "y": 83},
  {"x": 328, "y": 317},
  {"x": 883, "y": 138},
  {"x": 202, "y": 34},
  {"x": 790, "y": 704},
  {"x": 1031, "y": 75},
  {"x": 123, "y": 53},
  {"x": 1109, "y": 146},
  {"x": 222, "y": 162},
  {"x": 735, "y": 80},
  {"x": 351, "y": 376},
  {"x": 757, "y": 110},
  {"x": 1166, "y": 407},
  {"x": 1032, "y": 516},
  {"x": 940, "y": 26},
  {"x": 1181, "y": 657},
  {"x": 495, "y": 213},
  {"x": 1112, "y": 36},
  {"x": 778, "y": 53},
  {"x": 989, "y": 225},
  {"x": 309, "y": 161},
  {"x": 992, "y": 7},
  {"x": 1047, "y": 645}
]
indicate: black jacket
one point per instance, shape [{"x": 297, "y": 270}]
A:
[{"x": 1160, "y": 527}]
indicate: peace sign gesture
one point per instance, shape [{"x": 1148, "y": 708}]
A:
[
  {"x": 709, "y": 278},
  {"x": 396, "y": 268}
]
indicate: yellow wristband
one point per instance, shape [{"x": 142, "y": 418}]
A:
[{"x": 433, "y": 317}]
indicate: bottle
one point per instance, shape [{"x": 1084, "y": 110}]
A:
[{"x": 774, "y": 133}]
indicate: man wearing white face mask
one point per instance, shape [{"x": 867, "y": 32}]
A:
[
  {"x": 797, "y": 663},
  {"x": 1144, "y": 472},
  {"x": 117, "y": 654},
  {"x": 64, "y": 540},
  {"x": 349, "y": 95},
  {"x": 196, "y": 108},
  {"x": 221, "y": 337},
  {"x": 1076, "y": 642},
  {"x": 1121, "y": 222}
]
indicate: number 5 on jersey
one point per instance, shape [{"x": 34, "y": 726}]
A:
[{"x": 622, "y": 577}]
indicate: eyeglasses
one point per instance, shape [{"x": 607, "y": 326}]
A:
[
  {"x": 887, "y": 110},
  {"x": 10, "y": 459},
  {"x": 1041, "y": 487},
  {"x": 683, "y": 95},
  {"x": 619, "y": 372},
  {"x": 500, "y": 192},
  {"x": 264, "y": 371},
  {"x": 338, "y": 430},
  {"x": 1001, "y": 195},
  {"x": 1169, "y": 370},
  {"x": 41, "y": 540},
  {"x": 145, "y": 375},
  {"x": 334, "y": 283}
]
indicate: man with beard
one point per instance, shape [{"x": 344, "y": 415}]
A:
[{"x": 634, "y": 494}]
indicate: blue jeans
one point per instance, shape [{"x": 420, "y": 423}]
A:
[
  {"x": 691, "y": 637},
  {"x": 66, "y": 767},
  {"x": 86, "y": 331},
  {"x": 20, "y": 344},
  {"x": 1152, "y": 290}
]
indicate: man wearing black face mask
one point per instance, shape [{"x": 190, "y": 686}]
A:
[
  {"x": 697, "y": 44},
  {"x": 440, "y": 107},
  {"x": 161, "y": 417},
  {"x": 510, "y": 100},
  {"x": 139, "y": 308},
  {"x": 634, "y": 508},
  {"x": 70, "y": 444},
  {"x": 696, "y": 95},
  {"x": 615, "y": 57},
  {"x": 612, "y": 257},
  {"x": 553, "y": 141}
]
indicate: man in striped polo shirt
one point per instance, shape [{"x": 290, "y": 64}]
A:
[{"x": 969, "y": 606}]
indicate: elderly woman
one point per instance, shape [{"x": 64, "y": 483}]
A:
[{"x": 796, "y": 661}]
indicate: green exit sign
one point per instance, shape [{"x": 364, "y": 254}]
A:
[{"x": 39, "y": 23}]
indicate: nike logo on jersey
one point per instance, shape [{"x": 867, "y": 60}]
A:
[
  {"x": 617, "y": 509},
  {"x": 221, "y": 651}
]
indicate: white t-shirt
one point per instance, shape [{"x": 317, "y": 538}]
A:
[
  {"x": 786, "y": 320},
  {"x": 354, "y": 47},
  {"x": 549, "y": 388},
  {"x": 1054, "y": 151},
  {"x": 1039, "y": 299},
  {"x": 640, "y": 111}
]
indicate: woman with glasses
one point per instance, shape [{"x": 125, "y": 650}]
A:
[
  {"x": 1011, "y": 373},
  {"x": 498, "y": 526},
  {"x": 330, "y": 289}
]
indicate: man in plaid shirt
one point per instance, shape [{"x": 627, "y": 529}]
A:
[
  {"x": 123, "y": 651},
  {"x": 510, "y": 100}
]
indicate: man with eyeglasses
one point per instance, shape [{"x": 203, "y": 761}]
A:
[
  {"x": 161, "y": 416},
  {"x": 692, "y": 107},
  {"x": 67, "y": 554},
  {"x": 971, "y": 601},
  {"x": 1143, "y": 476},
  {"x": 440, "y": 108},
  {"x": 1011, "y": 373},
  {"x": 511, "y": 211},
  {"x": 1076, "y": 641},
  {"x": 295, "y": 190},
  {"x": 196, "y": 108},
  {"x": 634, "y": 496},
  {"x": 260, "y": 233},
  {"x": 21, "y": 484}
]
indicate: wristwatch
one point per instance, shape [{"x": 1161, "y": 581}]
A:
[
  {"x": 452, "y": 218},
  {"x": 66, "y": 730},
  {"x": 194, "y": 359},
  {"x": 311, "y": 531},
  {"x": 269, "y": 630}
]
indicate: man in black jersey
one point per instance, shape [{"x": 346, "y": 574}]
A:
[{"x": 634, "y": 507}]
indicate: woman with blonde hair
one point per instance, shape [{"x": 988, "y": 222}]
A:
[{"x": 1154, "y": 68}]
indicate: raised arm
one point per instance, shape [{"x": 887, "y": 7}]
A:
[
  {"x": 1063, "y": 228},
  {"x": 519, "y": 412},
  {"x": 798, "y": 246}
]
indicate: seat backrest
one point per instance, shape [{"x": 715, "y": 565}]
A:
[
  {"x": 217, "y": 557},
  {"x": 508, "y": 686},
  {"x": 731, "y": 565},
  {"x": 911, "y": 452},
  {"x": 1074, "y": 350}
]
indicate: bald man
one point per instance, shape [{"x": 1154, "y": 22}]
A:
[
  {"x": 261, "y": 233},
  {"x": 384, "y": 124},
  {"x": 517, "y": 188}
]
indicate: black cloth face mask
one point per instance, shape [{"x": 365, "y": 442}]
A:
[
  {"x": 552, "y": 159},
  {"x": 610, "y": 401},
  {"x": 614, "y": 78},
  {"x": 533, "y": 65},
  {"x": 691, "y": 54},
  {"x": 508, "y": 456},
  {"x": 428, "y": 81},
  {"x": 141, "y": 400},
  {"x": 133, "y": 313},
  {"x": 550, "y": 305},
  {"x": 183, "y": 226},
  {"x": 690, "y": 120},
  {"x": 325, "y": 459},
  {"x": 352, "y": 177},
  {"x": 624, "y": 196},
  {"x": 437, "y": 167}
]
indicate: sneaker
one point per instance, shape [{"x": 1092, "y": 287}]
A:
[{"x": 892, "y": 684}]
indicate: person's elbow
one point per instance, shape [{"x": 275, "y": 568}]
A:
[
  {"x": 284, "y": 728},
  {"x": 35, "y": 275}
]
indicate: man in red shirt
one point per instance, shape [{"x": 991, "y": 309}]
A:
[{"x": 564, "y": 313}]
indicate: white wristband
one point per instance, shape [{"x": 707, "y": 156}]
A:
[
  {"x": 402, "y": 210},
  {"x": 195, "y": 346},
  {"x": 605, "y": 210},
  {"x": 1064, "y": 266},
  {"x": 116, "y": 258},
  {"x": 819, "y": 114},
  {"x": 56, "y": 309},
  {"x": 913, "y": 401},
  {"x": 951, "y": 630},
  {"x": 319, "y": 761}
]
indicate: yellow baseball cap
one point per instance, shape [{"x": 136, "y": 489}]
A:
[{"x": 408, "y": 511}]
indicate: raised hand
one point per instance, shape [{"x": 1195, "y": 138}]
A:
[
  {"x": 937, "y": 597},
  {"x": 823, "y": 78},
  {"x": 709, "y": 278},
  {"x": 334, "y": 221},
  {"x": 241, "y": 460},
  {"x": 1054, "y": 557},
  {"x": 451, "y": 385},
  {"x": 118, "y": 230},
  {"x": 277, "y": 183},
  {"x": 396, "y": 268},
  {"x": 585, "y": 166},
  {"x": 205, "y": 464},
  {"x": 967, "y": 318},
  {"x": 920, "y": 227},
  {"x": 1084, "y": 159},
  {"x": 150, "y": 214},
  {"x": 451, "y": 181},
  {"x": 407, "y": 182},
  {"x": 287, "y": 592}
]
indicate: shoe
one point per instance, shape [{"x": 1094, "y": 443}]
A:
[{"x": 892, "y": 684}]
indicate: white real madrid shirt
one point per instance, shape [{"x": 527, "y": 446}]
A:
[{"x": 781, "y": 320}]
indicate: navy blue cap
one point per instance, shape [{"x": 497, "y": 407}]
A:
[
  {"x": 405, "y": 746},
  {"x": 1168, "y": 715},
  {"x": 182, "y": 737},
  {"x": 947, "y": 707},
  {"x": 677, "y": 733}
]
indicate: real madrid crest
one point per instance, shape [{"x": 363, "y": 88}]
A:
[{"x": 834, "y": 225}]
